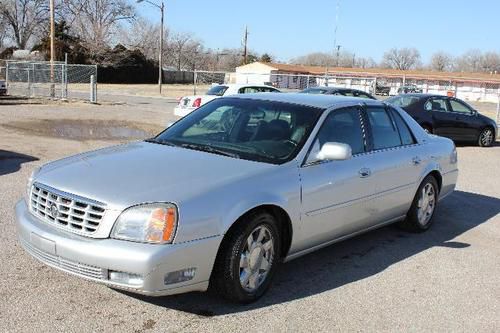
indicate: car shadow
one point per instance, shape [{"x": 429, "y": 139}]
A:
[
  {"x": 352, "y": 260},
  {"x": 17, "y": 100},
  {"x": 11, "y": 162}
]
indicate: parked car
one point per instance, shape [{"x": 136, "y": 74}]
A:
[
  {"x": 337, "y": 91},
  {"x": 409, "y": 89},
  {"x": 222, "y": 197},
  {"x": 449, "y": 117},
  {"x": 3, "y": 88},
  {"x": 382, "y": 89},
  {"x": 187, "y": 104}
]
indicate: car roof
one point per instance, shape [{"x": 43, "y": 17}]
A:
[
  {"x": 421, "y": 95},
  {"x": 241, "y": 85},
  {"x": 317, "y": 101}
]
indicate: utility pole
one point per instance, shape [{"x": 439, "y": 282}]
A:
[
  {"x": 245, "y": 42},
  {"x": 52, "y": 48},
  {"x": 338, "y": 55}
]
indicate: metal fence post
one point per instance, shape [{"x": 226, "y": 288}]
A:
[
  {"x": 195, "y": 79},
  {"x": 93, "y": 90}
]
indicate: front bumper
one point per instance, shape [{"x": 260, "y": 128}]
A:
[{"x": 93, "y": 259}]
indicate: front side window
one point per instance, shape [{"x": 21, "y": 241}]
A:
[
  {"x": 343, "y": 126},
  {"x": 257, "y": 130},
  {"x": 384, "y": 131},
  {"x": 457, "y": 106},
  {"x": 436, "y": 104}
]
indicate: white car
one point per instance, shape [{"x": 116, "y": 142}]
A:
[{"x": 188, "y": 104}]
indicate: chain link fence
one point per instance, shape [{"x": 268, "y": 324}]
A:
[{"x": 55, "y": 80}]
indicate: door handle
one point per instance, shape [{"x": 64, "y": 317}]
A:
[
  {"x": 416, "y": 160},
  {"x": 365, "y": 172}
]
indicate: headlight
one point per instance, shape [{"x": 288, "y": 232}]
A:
[
  {"x": 148, "y": 223},
  {"x": 30, "y": 183}
]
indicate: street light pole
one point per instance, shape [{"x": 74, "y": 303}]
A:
[
  {"x": 52, "y": 48},
  {"x": 160, "y": 54}
]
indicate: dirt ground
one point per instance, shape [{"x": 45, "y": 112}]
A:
[{"x": 446, "y": 279}]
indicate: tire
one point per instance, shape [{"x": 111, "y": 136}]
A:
[
  {"x": 417, "y": 220},
  {"x": 245, "y": 280},
  {"x": 486, "y": 137}
]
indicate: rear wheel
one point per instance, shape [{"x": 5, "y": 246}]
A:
[
  {"x": 486, "y": 137},
  {"x": 419, "y": 217},
  {"x": 248, "y": 258}
]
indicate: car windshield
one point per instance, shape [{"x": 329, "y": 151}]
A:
[
  {"x": 257, "y": 130},
  {"x": 402, "y": 101},
  {"x": 314, "y": 91},
  {"x": 217, "y": 90}
]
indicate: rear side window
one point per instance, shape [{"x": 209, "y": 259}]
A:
[
  {"x": 404, "y": 131},
  {"x": 402, "y": 101},
  {"x": 436, "y": 104},
  {"x": 384, "y": 130},
  {"x": 217, "y": 90}
]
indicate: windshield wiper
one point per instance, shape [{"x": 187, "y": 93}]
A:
[
  {"x": 165, "y": 143},
  {"x": 209, "y": 149}
]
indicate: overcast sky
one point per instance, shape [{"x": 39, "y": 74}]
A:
[{"x": 289, "y": 28}]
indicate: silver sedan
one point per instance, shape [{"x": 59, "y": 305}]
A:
[{"x": 228, "y": 193}]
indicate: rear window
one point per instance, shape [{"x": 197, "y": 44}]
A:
[
  {"x": 314, "y": 91},
  {"x": 217, "y": 90},
  {"x": 402, "y": 101}
]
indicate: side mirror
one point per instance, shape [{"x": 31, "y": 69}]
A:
[{"x": 334, "y": 151}]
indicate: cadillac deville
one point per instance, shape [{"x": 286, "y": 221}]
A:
[{"x": 228, "y": 193}]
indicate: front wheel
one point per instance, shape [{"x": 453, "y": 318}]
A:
[
  {"x": 486, "y": 137},
  {"x": 248, "y": 258},
  {"x": 419, "y": 217}
]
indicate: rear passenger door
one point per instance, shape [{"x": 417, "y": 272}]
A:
[
  {"x": 396, "y": 162},
  {"x": 444, "y": 121}
]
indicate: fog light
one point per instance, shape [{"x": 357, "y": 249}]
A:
[
  {"x": 126, "y": 278},
  {"x": 180, "y": 276}
]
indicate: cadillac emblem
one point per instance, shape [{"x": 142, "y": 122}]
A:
[{"x": 54, "y": 212}]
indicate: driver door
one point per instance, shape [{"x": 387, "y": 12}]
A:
[{"x": 335, "y": 193}]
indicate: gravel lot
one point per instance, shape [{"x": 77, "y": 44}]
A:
[{"x": 446, "y": 279}]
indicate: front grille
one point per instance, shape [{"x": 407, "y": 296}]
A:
[
  {"x": 66, "y": 211},
  {"x": 65, "y": 264}
]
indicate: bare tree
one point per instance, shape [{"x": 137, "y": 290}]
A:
[
  {"x": 490, "y": 62},
  {"x": 97, "y": 21},
  {"x": 24, "y": 19},
  {"x": 470, "y": 61},
  {"x": 315, "y": 59},
  {"x": 144, "y": 36},
  {"x": 441, "y": 62},
  {"x": 402, "y": 59}
]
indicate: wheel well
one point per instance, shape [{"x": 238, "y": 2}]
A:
[
  {"x": 438, "y": 178},
  {"x": 285, "y": 224}
]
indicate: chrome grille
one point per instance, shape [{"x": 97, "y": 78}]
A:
[
  {"x": 65, "y": 264},
  {"x": 66, "y": 211}
]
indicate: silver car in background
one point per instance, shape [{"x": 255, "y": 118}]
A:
[{"x": 229, "y": 192}]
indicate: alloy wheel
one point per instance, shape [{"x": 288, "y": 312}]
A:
[
  {"x": 426, "y": 204},
  {"x": 256, "y": 258}
]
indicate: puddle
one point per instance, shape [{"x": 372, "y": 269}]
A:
[{"x": 85, "y": 129}]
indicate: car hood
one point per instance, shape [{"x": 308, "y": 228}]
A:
[{"x": 126, "y": 175}]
